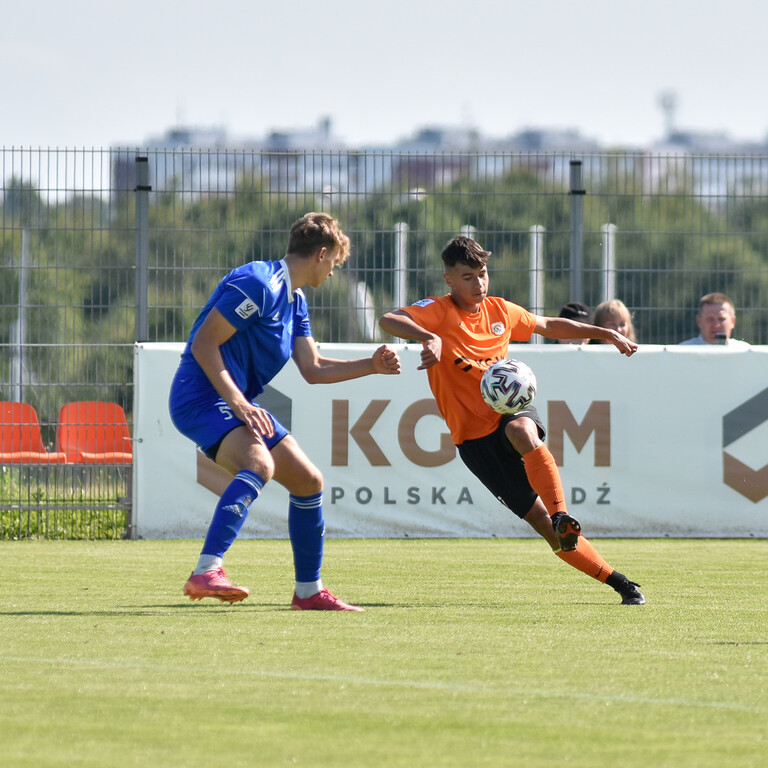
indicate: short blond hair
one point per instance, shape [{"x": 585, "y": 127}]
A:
[
  {"x": 317, "y": 230},
  {"x": 716, "y": 299}
]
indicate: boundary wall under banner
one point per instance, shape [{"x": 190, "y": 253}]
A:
[{"x": 672, "y": 442}]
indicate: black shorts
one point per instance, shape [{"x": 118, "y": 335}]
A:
[{"x": 499, "y": 467}]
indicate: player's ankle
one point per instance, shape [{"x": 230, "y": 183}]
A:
[
  {"x": 207, "y": 563},
  {"x": 305, "y": 589}
]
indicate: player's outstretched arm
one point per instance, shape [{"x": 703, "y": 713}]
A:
[
  {"x": 622, "y": 343},
  {"x": 386, "y": 360},
  {"x": 563, "y": 328},
  {"x": 317, "y": 369}
]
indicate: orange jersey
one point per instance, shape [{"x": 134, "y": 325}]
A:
[{"x": 472, "y": 342}]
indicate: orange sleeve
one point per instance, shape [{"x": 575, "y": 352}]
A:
[
  {"x": 428, "y": 313},
  {"x": 522, "y": 322}
]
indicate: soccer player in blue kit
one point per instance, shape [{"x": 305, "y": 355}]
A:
[{"x": 256, "y": 318}]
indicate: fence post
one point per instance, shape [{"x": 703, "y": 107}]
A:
[
  {"x": 365, "y": 311},
  {"x": 18, "y": 327},
  {"x": 608, "y": 232},
  {"x": 142, "y": 248},
  {"x": 577, "y": 193},
  {"x": 141, "y": 328},
  {"x": 401, "y": 251},
  {"x": 536, "y": 285}
]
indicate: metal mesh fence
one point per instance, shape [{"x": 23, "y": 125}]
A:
[{"x": 657, "y": 232}]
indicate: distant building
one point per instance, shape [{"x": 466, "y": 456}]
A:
[
  {"x": 549, "y": 140},
  {"x": 317, "y": 139},
  {"x": 440, "y": 140},
  {"x": 294, "y": 161},
  {"x": 683, "y": 160},
  {"x": 189, "y": 160}
]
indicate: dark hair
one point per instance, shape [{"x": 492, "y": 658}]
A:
[
  {"x": 464, "y": 250},
  {"x": 575, "y": 310}
]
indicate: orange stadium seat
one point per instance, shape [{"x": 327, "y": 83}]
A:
[
  {"x": 20, "y": 439},
  {"x": 94, "y": 432}
]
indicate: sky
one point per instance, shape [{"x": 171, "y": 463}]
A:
[{"x": 100, "y": 74}]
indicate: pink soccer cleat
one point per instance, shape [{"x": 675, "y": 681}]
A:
[
  {"x": 321, "y": 601},
  {"x": 214, "y": 584}
]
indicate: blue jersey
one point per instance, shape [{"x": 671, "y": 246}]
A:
[{"x": 258, "y": 301}]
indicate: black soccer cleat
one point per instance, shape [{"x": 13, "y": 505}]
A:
[
  {"x": 567, "y": 530},
  {"x": 630, "y": 594}
]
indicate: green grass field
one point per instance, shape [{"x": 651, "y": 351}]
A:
[{"x": 470, "y": 653}]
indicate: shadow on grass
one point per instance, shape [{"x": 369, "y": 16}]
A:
[
  {"x": 249, "y": 607},
  {"x": 150, "y": 610}
]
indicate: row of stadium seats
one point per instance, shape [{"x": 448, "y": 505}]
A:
[{"x": 87, "y": 432}]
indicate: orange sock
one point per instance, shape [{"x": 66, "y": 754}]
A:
[
  {"x": 544, "y": 477},
  {"x": 587, "y": 560}
]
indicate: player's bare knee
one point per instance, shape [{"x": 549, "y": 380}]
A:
[
  {"x": 300, "y": 477},
  {"x": 265, "y": 471},
  {"x": 262, "y": 463},
  {"x": 314, "y": 481},
  {"x": 308, "y": 483},
  {"x": 523, "y": 434}
]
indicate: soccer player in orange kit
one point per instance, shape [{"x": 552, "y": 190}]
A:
[{"x": 463, "y": 333}]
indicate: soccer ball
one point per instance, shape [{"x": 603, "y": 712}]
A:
[{"x": 508, "y": 386}]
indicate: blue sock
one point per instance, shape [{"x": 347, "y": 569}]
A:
[
  {"x": 306, "y": 528},
  {"x": 231, "y": 512}
]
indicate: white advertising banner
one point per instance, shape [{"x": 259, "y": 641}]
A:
[{"x": 670, "y": 442}]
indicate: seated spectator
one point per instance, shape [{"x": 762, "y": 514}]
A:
[
  {"x": 716, "y": 320},
  {"x": 575, "y": 310},
  {"x": 615, "y": 315}
]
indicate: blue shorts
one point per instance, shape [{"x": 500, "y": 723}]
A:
[{"x": 201, "y": 415}]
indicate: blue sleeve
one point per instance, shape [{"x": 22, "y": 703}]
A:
[
  {"x": 301, "y": 323},
  {"x": 244, "y": 298}
]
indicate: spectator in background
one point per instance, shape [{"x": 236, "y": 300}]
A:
[
  {"x": 575, "y": 310},
  {"x": 716, "y": 320},
  {"x": 614, "y": 314}
]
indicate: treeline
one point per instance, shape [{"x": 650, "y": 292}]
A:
[{"x": 75, "y": 295}]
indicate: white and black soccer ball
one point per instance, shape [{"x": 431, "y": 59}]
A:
[{"x": 508, "y": 386}]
